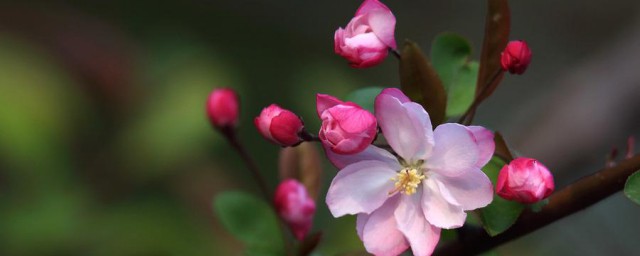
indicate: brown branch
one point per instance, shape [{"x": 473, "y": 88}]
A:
[{"x": 573, "y": 198}]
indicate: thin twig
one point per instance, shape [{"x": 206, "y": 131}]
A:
[
  {"x": 467, "y": 117},
  {"x": 573, "y": 198},
  {"x": 230, "y": 134}
]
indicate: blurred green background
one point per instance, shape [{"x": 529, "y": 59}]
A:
[{"x": 105, "y": 148}]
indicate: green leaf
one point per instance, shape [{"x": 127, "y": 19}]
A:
[
  {"x": 500, "y": 214},
  {"x": 450, "y": 56},
  {"x": 365, "y": 97},
  {"x": 496, "y": 37},
  {"x": 251, "y": 221},
  {"x": 420, "y": 82},
  {"x": 632, "y": 187}
]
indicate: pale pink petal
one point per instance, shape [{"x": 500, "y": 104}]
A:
[
  {"x": 438, "y": 211},
  {"x": 381, "y": 20},
  {"x": 366, "y": 42},
  {"x": 397, "y": 93},
  {"x": 383, "y": 24},
  {"x": 369, "y": 6},
  {"x": 484, "y": 139},
  {"x": 380, "y": 234},
  {"x": 361, "y": 220},
  {"x": 403, "y": 127},
  {"x": 422, "y": 236},
  {"x": 455, "y": 150},
  {"x": 370, "y": 153},
  {"x": 470, "y": 191},
  {"x": 324, "y": 101},
  {"x": 360, "y": 188}
]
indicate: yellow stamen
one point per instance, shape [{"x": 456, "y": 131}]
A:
[{"x": 407, "y": 181}]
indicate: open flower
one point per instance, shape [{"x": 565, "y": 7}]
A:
[{"x": 405, "y": 200}]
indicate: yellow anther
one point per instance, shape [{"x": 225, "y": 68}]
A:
[{"x": 407, "y": 181}]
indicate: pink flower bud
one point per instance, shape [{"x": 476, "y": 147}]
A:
[
  {"x": 279, "y": 125},
  {"x": 346, "y": 127},
  {"x": 366, "y": 40},
  {"x": 295, "y": 207},
  {"x": 223, "y": 108},
  {"x": 516, "y": 57},
  {"x": 524, "y": 180}
]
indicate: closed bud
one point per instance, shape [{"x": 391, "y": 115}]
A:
[
  {"x": 366, "y": 40},
  {"x": 279, "y": 125},
  {"x": 346, "y": 127},
  {"x": 516, "y": 57},
  {"x": 223, "y": 108},
  {"x": 295, "y": 207},
  {"x": 524, "y": 180}
]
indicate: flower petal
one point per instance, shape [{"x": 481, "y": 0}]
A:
[
  {"x": 361, "y": 220},
  {"x": 360, "y": 188},
  {"x": 406, "y": 127},
  {"x": 381, "y": 20},
  {"x": 484, "y": 140},
  {"x": 383, "y": 24},
  {"x": 325, "y": 101},
  {"x": 397, "y": 93},
  {"x": 471, "y": 190},
  {"x": 370, "y": 153},
  {"x": 438, "y": 211},
  {"x": 422, "y": 236},
  {"x": 455, "y": 150},
  {"x": 380, "y": 234}
]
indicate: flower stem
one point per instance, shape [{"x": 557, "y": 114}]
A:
[
  {"x": 396, "y": 53},
  {"x": 573, "y": 198},
  {"x": 467, "y": 117},
  {"x": 230, "y": 134}
]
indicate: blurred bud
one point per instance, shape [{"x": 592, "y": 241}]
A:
[
  {"x": 279, "y": 125},
  {"x": 302, "y": 163},
  {"x": 516, "y": 57},
  {"x": 366, "y": 40},
  {"x": 346, "y": 127},
  {"x": 524, "y": 180},
  {"x": 295, "y": 207},
  {"x": 223, "y": 108}
]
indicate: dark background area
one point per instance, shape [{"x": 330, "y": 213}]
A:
[{"x": 105, "y": 148}]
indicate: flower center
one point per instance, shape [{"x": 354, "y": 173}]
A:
[{"x": 407, "y": 181}]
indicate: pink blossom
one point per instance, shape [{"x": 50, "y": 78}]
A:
[
  {"x": 524, "y": 180},
  {"x": 346, "y": 127},
  {"x": 223, "y": 108},
  {"x": 403, "y": 201},
  {"x": 295, "y": 207},
  {"x": 365, "y": 41},
  {"x": 516, "y": 57},
  {"x": 279, "y": 125}
]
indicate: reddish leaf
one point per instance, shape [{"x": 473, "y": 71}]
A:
[
  {"x": 419, "y": 81},
  {"x": 496, "y": 37},
  {"x": 303, "y": 164}
]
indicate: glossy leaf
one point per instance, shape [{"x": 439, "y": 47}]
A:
[
  {"x": 419, "y": 81},
  {"x": 303, "y": 164},
  {"x": 365, "y": 97},
  {"x": 450, "y": 55},
  {"x": 496, "y": 37},
  {"x": 251, "y": 221},
  {"x": 632, "y": 187},
  {"x": 500, "y": 214}
]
